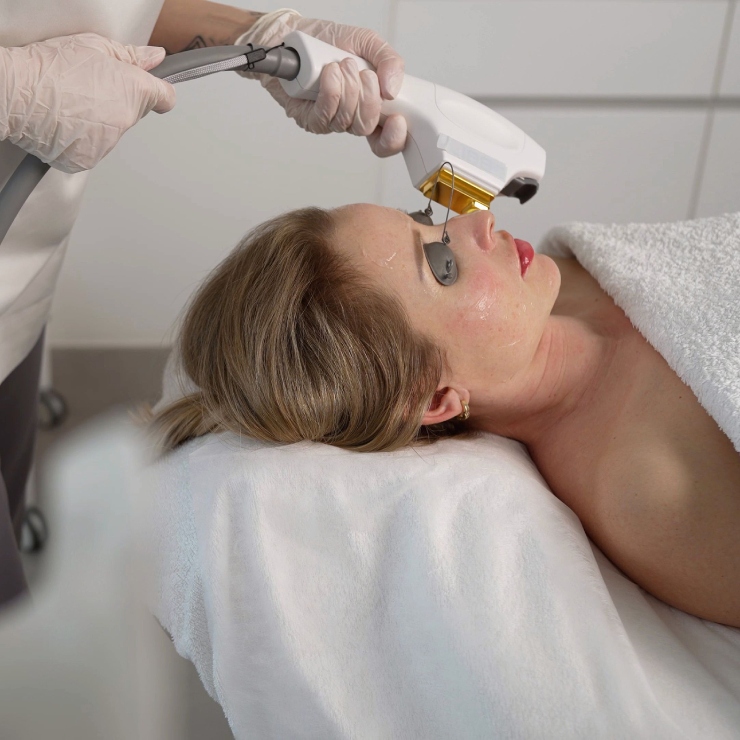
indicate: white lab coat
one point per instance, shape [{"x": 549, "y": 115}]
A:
[{"x": 32, "y": 252}]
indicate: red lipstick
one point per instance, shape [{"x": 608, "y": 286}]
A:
[{"x": 526, "y": 254}]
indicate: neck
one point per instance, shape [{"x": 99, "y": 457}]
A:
[{"x": 570, "y": 368}]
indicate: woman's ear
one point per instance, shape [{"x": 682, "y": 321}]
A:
[{"x": 446, "y": 404}]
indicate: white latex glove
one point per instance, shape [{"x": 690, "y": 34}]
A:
[
  {"x": 69, "y": 100},
  {"x": 348, "y": 100}
]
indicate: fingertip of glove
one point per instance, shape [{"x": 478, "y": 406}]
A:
[
  {"x": 148, "y": 57},
  {"x": 167, "y": 97},
  {"x": 392, "y": 137},
  {"x": 394, "y": 84}
]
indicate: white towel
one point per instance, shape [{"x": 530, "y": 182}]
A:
[
  {"x": 679, "y": 284},
  {"x": 424, "y": 594}
]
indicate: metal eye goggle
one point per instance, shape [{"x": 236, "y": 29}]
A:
[{"x": 439, "y": 256}]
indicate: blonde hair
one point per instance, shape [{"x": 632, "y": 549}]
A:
[{"x": 288, "y": 342}]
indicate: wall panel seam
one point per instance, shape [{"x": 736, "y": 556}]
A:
[
  {"x": 712, "y": 106},
  {"x": 594, "y": 101}
]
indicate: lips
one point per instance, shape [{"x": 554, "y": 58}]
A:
[{"x": 526, "y": 254}]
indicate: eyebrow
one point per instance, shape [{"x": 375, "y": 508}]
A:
[{"x": 419, "y": 257}]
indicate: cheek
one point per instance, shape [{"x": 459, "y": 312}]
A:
[
  {"x": 488, "y": 300},
  {"x": 496, "y": 312},
  {"x": 480, "y": 300}
]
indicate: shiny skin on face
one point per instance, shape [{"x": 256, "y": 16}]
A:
[{"x": 490, "y": 321}]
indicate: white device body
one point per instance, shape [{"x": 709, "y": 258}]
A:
[{"x": 443, "y": 125}]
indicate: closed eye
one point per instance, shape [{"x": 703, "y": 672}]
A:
[{"x": 438, "y": 255}]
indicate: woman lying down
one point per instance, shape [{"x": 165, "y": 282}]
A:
[{"x": 370, "y": 329}]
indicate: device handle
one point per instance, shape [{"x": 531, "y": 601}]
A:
[{"x": 314, "y": 55}]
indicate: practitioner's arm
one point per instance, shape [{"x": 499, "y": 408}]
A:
[
  {"x": 348, "y": 100},
  {"x": 192, "y": 24}
]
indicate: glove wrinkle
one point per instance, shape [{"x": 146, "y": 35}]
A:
[{"x": 68, "y": 100}]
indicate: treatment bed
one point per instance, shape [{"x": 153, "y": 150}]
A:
[{"x": 444, "y": 591}]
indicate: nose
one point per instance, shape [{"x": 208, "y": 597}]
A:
[{"x": 478, "y": 225}]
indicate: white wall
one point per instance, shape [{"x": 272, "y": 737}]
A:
[{"x": 637, "y": 103}]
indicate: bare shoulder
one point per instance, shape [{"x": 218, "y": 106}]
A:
[
  {"x": 678, "y": 541},
  {"x": 666, "y": 503},
  {"x": 656, "y": 484}
]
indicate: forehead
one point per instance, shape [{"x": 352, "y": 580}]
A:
[
  {"x": 374, "y": 232},
  {"x": 383, "y": 243},
  {"x": 366, "y": 218}
]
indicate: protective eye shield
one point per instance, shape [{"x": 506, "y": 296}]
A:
[
  {"x": 439, "y": 256},
  {"x": 442, "y": 261}
]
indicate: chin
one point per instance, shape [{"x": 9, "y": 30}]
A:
[{"x": 552, "y": 274}]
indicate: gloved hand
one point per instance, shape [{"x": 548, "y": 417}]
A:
[
  {"x": 348, "y": 100},
  {"x": 69, "y": 100}
]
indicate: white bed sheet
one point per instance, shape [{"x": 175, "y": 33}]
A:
[{"x": 442, "y": 592}]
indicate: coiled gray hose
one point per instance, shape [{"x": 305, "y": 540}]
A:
[{"x": 187, "y": 65}]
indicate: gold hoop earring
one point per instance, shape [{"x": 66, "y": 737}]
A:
[{"x": 465, "y": 415}]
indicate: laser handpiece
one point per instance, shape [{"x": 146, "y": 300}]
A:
[{"x": 491, "y": 156}]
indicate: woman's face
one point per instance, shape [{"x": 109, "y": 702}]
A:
[{"x": 491, "y": 320}]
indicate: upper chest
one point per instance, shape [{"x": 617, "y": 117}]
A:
[
  {"x": 654, "y": 481},
  {"x": 645, "y": 434}
]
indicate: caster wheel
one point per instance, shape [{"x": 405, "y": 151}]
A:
[
  {"x": 35, "y": 532},
  {"x": 52, "y": 409}
]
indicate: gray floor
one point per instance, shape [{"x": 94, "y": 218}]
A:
[{"x": 92, "y": 381}]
